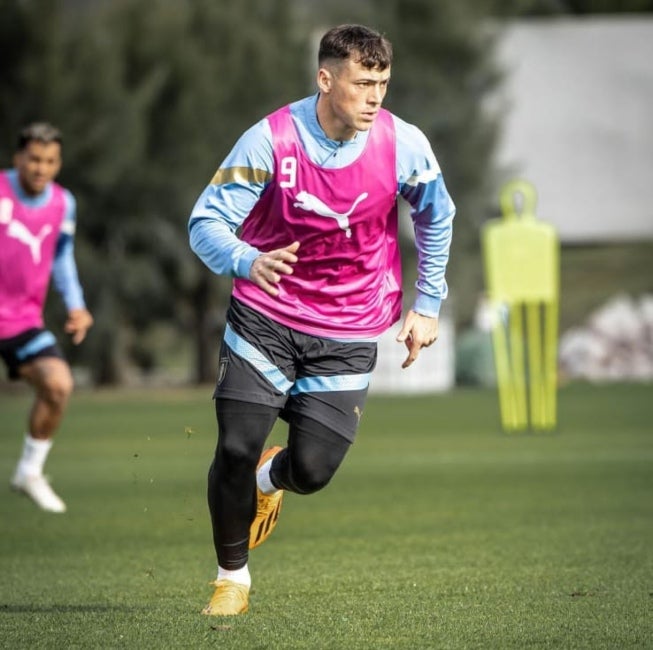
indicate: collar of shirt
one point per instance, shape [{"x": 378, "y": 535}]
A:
[
  {"x": 23, "y": 196},
  {"x": 321, "y": 149}
]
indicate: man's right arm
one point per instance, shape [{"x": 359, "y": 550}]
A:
[{"x": 227, "y": 201}]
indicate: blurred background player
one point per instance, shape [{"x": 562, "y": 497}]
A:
[
  {"x": 37, "y": 224},
  {"x": 313, "y": 188}
]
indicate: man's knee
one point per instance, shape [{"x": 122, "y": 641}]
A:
[
  {"x": 235, "y": 453},
  {"x": 307, "y": 479},
  {"x": 312, "y": 457},
  {"x": 242, "y": 429},
  {"x": 53, "y": 381},
  {"x": 311, "y": 467}
]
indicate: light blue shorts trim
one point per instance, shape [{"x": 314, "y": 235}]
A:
[{"x": 38, "y": 343}]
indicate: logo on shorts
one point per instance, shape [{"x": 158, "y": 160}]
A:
[
  {"x": 358, "y": 413},
  {"x": 222, "y": 369}
]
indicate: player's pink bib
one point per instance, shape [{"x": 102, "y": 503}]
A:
[
  {"x": 28, "y": 237},
  {"x": 347, "y": 283}
]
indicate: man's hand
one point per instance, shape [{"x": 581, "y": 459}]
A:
[
  {"x": 268, "y": 268},
  {"x": 417, "y": 332},
  {"x": 78, "y": 323}
]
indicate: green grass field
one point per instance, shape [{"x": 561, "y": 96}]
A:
[{"x": 439, "y": 531}]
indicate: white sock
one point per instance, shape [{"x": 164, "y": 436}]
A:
[
  {"x": 263, "y": 480},
  {"x": 34, "y": 454},
  {"x": 241, "y": 576}
]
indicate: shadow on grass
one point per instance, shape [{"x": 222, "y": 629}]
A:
[{"x": 65, "y": 609}]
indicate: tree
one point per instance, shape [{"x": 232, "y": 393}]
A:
[
  {"x": 549, "y": 7},
  {"x": 215, "y": 72},
  {"x": 30, "y": 42},
  {"x": 150, "y": 97},
  {"x": 443, "y": 73}
]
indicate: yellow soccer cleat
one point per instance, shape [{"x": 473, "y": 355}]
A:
[
  {"x": 229, "y": 599},
  {"x": 268, "y": 507}
]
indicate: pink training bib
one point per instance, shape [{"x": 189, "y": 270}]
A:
[
  {"x": 28, "y": 237},
  {"x": 347, "y": 282}
]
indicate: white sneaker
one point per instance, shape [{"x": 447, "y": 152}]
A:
[{"x": 39, "y": 490}]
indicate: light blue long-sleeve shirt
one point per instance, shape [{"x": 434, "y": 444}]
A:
[{"x": 247, "y": 170}]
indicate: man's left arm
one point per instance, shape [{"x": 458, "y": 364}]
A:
[
  {"x": 422, "y": 185},
  {"x": 66, "y": 279}
]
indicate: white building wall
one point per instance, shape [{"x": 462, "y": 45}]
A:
[
  {"x": 432, "y": 372},
  {"x": 579, "y": 122}
]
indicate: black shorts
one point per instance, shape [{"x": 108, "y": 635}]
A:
[
  {"x": 26, "y": 347},
  {"x": 267, "y": 363}
]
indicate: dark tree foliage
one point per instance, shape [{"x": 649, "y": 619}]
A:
[
  {"x": 150, "y": 96},
  {"x": 443, "y": 72},
  {"x": 30, "y": 42},
  {"x": 443, "y": 80},
  {"x": 573, "y": 7}
]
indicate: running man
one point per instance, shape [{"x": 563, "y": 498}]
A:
[
  {"x": 303, "y": 215},
  {"x": 37, "y": 224}
]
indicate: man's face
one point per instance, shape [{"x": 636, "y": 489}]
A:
[
  {"x": 353, "y": 95},
  {"x": 38, "y": 164}
]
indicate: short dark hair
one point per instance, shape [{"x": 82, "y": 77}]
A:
[
  {"x": 366, "y": 46},
  {"x": 40, "y": 132}
]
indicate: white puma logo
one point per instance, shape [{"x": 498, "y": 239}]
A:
[
  {"x": 19, "y": 231},
  {"x": 311, "y": 203}
]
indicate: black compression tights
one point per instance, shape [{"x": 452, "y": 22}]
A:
[{"x": 307, "y": 464}]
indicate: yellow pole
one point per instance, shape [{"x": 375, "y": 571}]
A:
[
  {"x": 551, "y": 363},
  {"x": 535, "y": 379},
  {"x": 518, "y": 369},
  {"x": 507, "y": 406}
]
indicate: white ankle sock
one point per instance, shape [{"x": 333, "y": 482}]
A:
[
  {"x": 263, "y": 479},
  {"x": 34, "y": 454},
  {"x": 241, "y": 576}
]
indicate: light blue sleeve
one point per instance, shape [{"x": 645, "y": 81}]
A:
[
  {"x": 64, "y": 270},
  {"x": 432, "y": 210},
  {"x": 227, "y": 201}
]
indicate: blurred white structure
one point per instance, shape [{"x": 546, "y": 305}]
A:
[
  {"x": 432, "y": 372},
  {"x": 615, "y": 344},
  {"x": 578, "y": 122}
]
